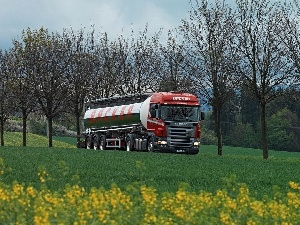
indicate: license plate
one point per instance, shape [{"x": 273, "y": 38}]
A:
[{"x": 180, "y": 150}]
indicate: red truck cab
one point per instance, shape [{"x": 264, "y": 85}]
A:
[{"x": 174, "y": 118}]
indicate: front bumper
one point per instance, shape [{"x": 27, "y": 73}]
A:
[{"x": 174, "y": 149}]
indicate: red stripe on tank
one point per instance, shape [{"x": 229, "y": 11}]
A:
[
  {"x": 122, "y": 112},
  {"x": 99, "y": 118},
  {"x": 129, "y": 112},
  {"x": 113, "y": 115},
  {"x": 92, "y": 119},
  {"x": 105, "y": 117}
]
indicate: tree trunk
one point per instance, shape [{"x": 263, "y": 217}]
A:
[
  {"x": 24, "y": 129},
  {"x": 2, "y": 129},
  {"x": 78, "y": 127},
  {"x": 50, "y": 131},
  {"x": 217, "y": 113},
  {"x": 263, "y": 130}
]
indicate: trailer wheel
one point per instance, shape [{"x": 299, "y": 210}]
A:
[
  {"x": 96, "y": 142},
  {"x": 150, "y": 146},
  {"x": 89, "y": 142},
  {"x": 102, "y": 144},
  {"x": 128, "y": 144}
]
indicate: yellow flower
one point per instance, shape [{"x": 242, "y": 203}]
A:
[
  {"x": 17, "y": 188},
  {"x": 293, "y": 199},
  {"x": 294, "y": 185},
  {"x": 258, "y": 207},
  {"x": 225, "y": 218},
  {"x": 31, "y": 191}
]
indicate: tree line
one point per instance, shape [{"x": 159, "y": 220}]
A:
[{"x": 223, "y": 53}]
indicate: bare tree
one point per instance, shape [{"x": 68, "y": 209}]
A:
[
  {"x": 6, "y": 103},
  {"x": 48, "y": 62},
  {"x": 174, "y": 75},
  {"x": 211, "y": 43},
  {"x": 107, "y": 68},
  {"x": 21, "y": 84},
  {"x": 143, "y": 62},
  {"x": 122, "y": 64},
  {"x": 290, "y": 33},
  {"x": 264, "y": 66},
  {"x": 79, "y": 48}
]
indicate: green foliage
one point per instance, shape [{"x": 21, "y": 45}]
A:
[
  {"x": 278, "y": 135},
  {"x": 38, "y": 127},
  {"x": 208, "y": 137},
  {"x": 243, "y": 135}
]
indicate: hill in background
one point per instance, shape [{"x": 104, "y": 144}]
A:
[{"x": 34, "y": 140}]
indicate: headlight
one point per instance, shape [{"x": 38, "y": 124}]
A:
[
  {"x": 162, "y": 142},
  {"x": 196, "y": 143}
]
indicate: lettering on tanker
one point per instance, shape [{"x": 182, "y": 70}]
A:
[{"x": 181, "y": 98}]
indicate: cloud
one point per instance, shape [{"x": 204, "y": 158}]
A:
[{"x": 112, "y": 16}]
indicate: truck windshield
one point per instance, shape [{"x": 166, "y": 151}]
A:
[{"x": 180, "y": 113}]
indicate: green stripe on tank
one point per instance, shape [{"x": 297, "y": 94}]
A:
[{"x": 109, "y": 121}]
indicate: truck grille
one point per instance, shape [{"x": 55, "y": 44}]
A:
[{"x": 180, "y": 136}]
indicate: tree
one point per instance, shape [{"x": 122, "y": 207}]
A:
[
  {"x": 21, "y": 84},
  {"x": 80, "y": 69},
  {"x": 280, "y": 136},
  {"x": 290, "y": 29},
  {"x": 264, "y": 66},
  {"x": 143, "y": 64},
  {"x": 108, "y": 67},
  {"x": 242, "y": 135},
  {"x": 4, "y": 94},
  {"x": 47, "y": 61},
  {"x": 249, "y": 106},
  {"x": 210, "y": 39},
  {"x": 174, "y": 75}
]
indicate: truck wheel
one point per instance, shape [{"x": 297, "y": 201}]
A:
[
  {"x": 102, "y": 144},
  {"x": 89, "y": 142},
  {"x": 150, "y": 146},
  {"x": 96, "y": 142},
  {"x": 128, "y": 144}
]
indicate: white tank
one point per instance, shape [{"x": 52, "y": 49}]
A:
[{"x": 117, "y": 115}]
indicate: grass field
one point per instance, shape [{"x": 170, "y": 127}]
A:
[
  {"x": 66, "y": 185},
  {"x": 165, "y": 172},
  {"x": 33, "y": 140}
]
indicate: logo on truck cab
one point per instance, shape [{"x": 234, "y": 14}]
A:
[{"x": 181, "y": 98}]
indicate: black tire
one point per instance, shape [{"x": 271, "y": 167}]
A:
[
  {"x": 129, "y": 147},
  {"x": 89, "y": 142},
  {"x": 102, "y": 144},
  {"x": 150, "y": 145},
  {"x": 96, "y": 142}
]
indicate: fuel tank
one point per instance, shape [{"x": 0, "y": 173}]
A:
[{"x": 117, "y": 115}]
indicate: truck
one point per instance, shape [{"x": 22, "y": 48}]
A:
[{"x": 163, "y": 122}]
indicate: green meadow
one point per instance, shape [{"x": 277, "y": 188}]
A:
[{"x": 206, "y": 171}]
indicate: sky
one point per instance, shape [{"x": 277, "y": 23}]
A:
[{"x": 114, "y": 17}]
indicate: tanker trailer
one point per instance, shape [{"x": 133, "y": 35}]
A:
[{"x": 164, "y": 122}]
